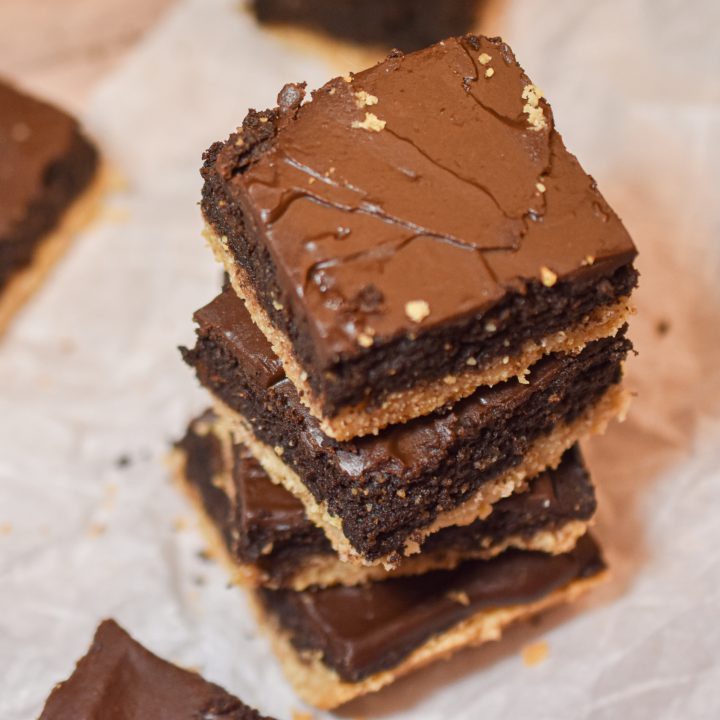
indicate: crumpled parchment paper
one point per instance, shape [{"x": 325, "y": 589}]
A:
[{"x": 92, "y": 388}]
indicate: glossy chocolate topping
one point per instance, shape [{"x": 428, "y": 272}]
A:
[
  {"x": 386, "y": 485},
  {"x": 120, "y": 680},
  {"x": 262, "y": 501},
  {"x": 435, "y": 177},
  {"x": 364, "y": 629},
  {"x": 44, "y": 163}
]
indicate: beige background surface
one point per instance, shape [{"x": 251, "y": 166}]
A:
[{"x": 62, "y": 48}]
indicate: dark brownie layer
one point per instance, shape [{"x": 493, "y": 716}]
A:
[
  {"x": 405, "y": 24},
  {"x": 45, "y": 163},
  {"x": 458, "y": 201},
  {"x": 384, "y": 488},
  {"x": 263, "y": 524},
  {"x": 362, "y": 630},
  {"x": 119, "y": 679}
]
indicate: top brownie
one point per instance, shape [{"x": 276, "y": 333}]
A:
[
  {"x": 45, "y": 162},
  {"x": 414, "y": 221}
]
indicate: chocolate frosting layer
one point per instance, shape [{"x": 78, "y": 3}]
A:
[
  {"x": 119, "y": 679},
  {"x": 264, "y": 524},
  {"x": 436, "y": 179},
  {"x": 365, "y": 629},
  {"x": 384, "y": 487},
  {"x": 44, "y": 163}
]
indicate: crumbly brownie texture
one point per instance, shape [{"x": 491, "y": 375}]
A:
[
  {"x": 544, "y": 454},
  {"x": 46, "y": 165},
  {"x": 358, "y": 255},
  {"x": 378, "y": 497},
  {"x": 261, "y": 533},
  {"x": 336, "y": 644},
  {"x": 399, "y": 406},
  {"x": 119, "y": 679},
  {"x": 405, "y": 24}
]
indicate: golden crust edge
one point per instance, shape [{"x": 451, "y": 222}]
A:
[
  {"x": 320, "y": 686},
  {"x": 612, "y": 404},
  {"x": 424, "y": 397},
  {"x": 53, "y": 246}
]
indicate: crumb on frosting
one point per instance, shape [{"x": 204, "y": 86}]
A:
[
  {"x": 536, "y": 117},
  {"x": 547, "y": 276},
  {"x": 417, "y": 310},
  {"x": 365, "y": 340},
  {"x": 363, "y": 98},
  {"x": 489, "y": 73},
  {"x": 484, "y": 58},
  {"x": 372, "y": 123}
]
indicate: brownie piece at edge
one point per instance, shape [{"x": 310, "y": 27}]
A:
[
  {"x": 50, "y": 162},
  {"x": 119, "y": 679}
]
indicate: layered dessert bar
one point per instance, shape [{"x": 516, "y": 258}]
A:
[
  {"x": 119, "y": 679},
  {"x": 47, "y": 168},
  {"x": 404, "y": 24},
  {"x": 341, "y": 642},
  {"x": 417, "y": 231},
  {"x": 378, "y": 497},
  {"x": 264, "y": 537}
]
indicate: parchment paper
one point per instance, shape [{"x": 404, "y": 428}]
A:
[{"x": 93, "y": 389}]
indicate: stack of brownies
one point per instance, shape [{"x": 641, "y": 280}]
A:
[{"x": 425, "y": 312}]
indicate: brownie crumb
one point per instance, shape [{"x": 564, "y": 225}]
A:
[{"x": 123, "y": 461}]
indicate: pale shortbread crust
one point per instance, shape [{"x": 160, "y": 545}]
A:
[
  {"x": 544, "y": 453},
  {"x": 52, "y": 247},
  {"x": 320, "y": 686},
  {"x": 425, "y": 396},
  {"x": 326, "y": 570}
]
